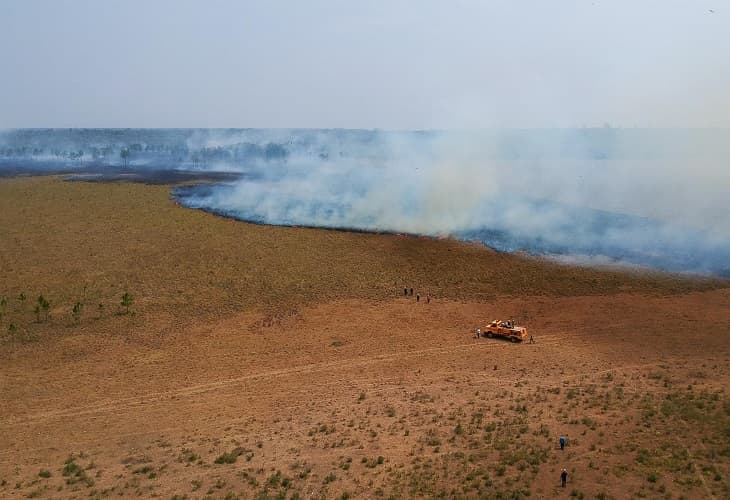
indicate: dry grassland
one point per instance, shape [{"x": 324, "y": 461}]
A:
[{"x": 269, "y": 362}]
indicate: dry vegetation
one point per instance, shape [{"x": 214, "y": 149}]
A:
[{"x": 275, "y": 362}]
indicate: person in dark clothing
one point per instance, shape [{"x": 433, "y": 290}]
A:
[
  {"x": 405, "y": 291},
  {"x": 418, "y": 297},
  {"x": 562, "y": 442},
  {"x": 563, "y": 478},
  {"x": 411, "y": 292}
]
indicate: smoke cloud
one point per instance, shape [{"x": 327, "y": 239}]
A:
[{"x": 646, "y": 197}]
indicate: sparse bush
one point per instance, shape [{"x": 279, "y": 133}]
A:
[
  {"x": 127, "y": 301},
  {"x": 643, "y": 456},
  {"x": 187, "y": 456},
  {"x": 76, "y": 312},
  {"x": 74, "y": 473},
  {"x": 274, "y": 479},
  {"x": 229, "y": 457},
  {"x": 71, "y": 468},
  {"x": 42, "y": 306}
]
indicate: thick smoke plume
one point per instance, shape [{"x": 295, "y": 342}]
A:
[{"x": 639, "y": 196}]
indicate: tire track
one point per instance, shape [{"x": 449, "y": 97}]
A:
[
  {"x": 193, "y": 390},
  {"x": 7, "y": 456}
]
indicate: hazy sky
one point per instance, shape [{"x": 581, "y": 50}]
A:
[{"x": 364, "y": 64}]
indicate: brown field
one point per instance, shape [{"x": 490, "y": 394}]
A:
[{"x": 269, "y": 362}]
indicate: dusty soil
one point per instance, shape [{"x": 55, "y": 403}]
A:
[{"x": 283, "y": 362}]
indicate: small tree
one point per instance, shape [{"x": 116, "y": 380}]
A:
[
  {"x": 21, "y": 297},
  {"x": 43, "y": 305},
  {"x": 124, "y": 154},
  {"x": 127, "y": 301},
  {"x": 46, "y": 306},
  {"x": 76, "y": 312}
]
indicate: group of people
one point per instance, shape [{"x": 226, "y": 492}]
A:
[
  {"x": 418, "y": 295},
  {"x": 564, "y": 474}
]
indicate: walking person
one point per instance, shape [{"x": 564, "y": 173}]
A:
[
  {"x": 563, "y": 478},
  {"x": 562, "y": 440}
]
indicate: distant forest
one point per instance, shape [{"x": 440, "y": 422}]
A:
[{"x": 209, "y": 148}]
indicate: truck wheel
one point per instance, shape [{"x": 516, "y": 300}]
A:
[
  {"x": 513, "y": 339},
  {"x": 489, "y": 334}
]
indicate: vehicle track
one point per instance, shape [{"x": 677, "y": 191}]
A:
[
  {"x": 135, "y": 401},
  {"x": 128, "y": 403}
]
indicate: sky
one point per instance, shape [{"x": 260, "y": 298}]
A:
[{"x": 368, "y": 64}]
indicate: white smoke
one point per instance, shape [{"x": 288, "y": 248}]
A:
[{"x": 534, "y": 185}]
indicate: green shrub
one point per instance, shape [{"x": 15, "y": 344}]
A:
[{"x": 228, "y": 457}]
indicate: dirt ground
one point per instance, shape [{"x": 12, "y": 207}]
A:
[{"x": 339, "y": 390}]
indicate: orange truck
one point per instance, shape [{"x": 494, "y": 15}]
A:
[{"x": 506, "y": 329}]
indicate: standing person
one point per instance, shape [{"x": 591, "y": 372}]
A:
[
  {"x": 562, "y": 442},
  {"x": 563, "y": 478},
  {"x": 418, "y": 297},
  {"x": 532, "y": 339},
  {"x": 428, "y": 298},
  {"x": 411, "y": 292},
  {"x": 479, "y": 332},
  {"x": 405, "y": 292}
]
